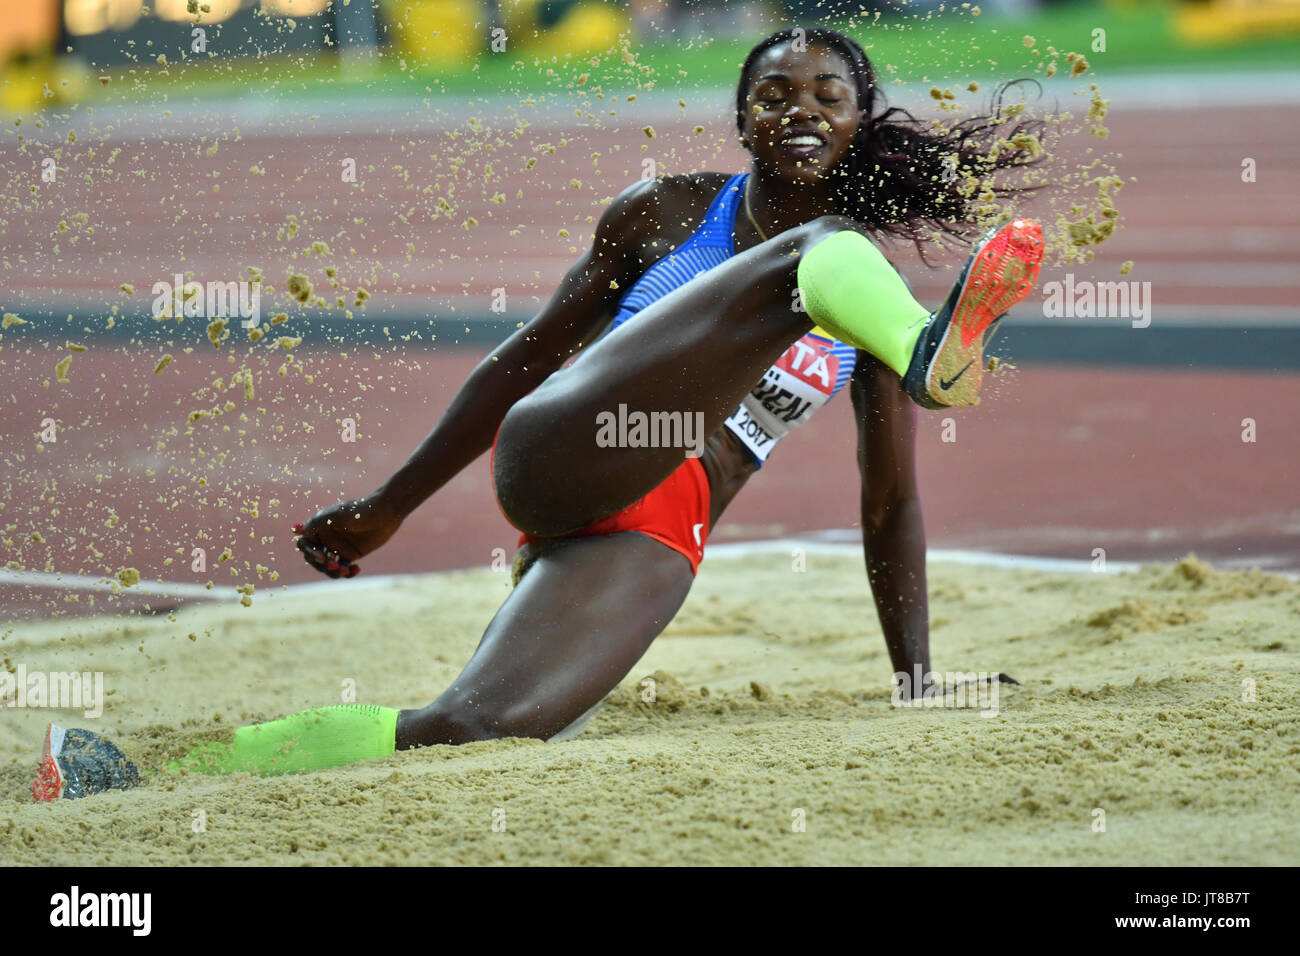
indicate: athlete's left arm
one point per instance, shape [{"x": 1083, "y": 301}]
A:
[{"x": 893, "y": 534}]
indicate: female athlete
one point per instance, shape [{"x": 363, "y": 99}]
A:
[{"x": 708, "y": 284}]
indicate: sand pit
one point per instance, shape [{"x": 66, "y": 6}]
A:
[{"x": 1134, "y": 701}]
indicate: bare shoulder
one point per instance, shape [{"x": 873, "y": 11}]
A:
[
  {"x": 656, "y": 214},
  {"x": 692, "y": 190},
  {"x": 706, "y": 182},
  {"x": 668, "y": 192}
]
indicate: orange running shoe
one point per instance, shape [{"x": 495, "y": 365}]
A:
[{"x": 947, "y": 364}]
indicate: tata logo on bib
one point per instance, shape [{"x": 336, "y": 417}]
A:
[{"x": 813, "y": 362}]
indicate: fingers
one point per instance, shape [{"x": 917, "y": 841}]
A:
[
  {"x": 315, "y": 555},
  {"x": 1000, "y": 678},
  {"x": 328, "y": 561}
]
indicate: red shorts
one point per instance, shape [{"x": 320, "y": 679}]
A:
[{"x": 676, "y": 513}]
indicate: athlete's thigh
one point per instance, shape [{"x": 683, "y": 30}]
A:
[
  {"x": 574, "y": 626},
  {"x": 561, "y": 462}
]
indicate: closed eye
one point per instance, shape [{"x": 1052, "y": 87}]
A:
[{"x": 770, "y": 99}]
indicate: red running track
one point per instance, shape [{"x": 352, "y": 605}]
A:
[
  {"x": 1057, "y": 461},
  {"x": 1193, "y": 228}
]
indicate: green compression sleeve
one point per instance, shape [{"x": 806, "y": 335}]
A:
[
  {"x": 310, "y": 740},
  {"x": 852, "y": 292}
]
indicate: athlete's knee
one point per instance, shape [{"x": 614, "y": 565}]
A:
[
  {"x": 515, "y": 477},
  {"x": 803, "y": 238},
  {"x": 511, "y": 488},
  {"x": 823, "y": 227},
  {"x": 528, "y": 503},
  {"x": 534, "y": 484}
]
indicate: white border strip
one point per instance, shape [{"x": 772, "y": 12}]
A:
[
  {"x": 183, "y": 589},
  {"x": 741, "y": 549},
  {"x": 85, "y": 582},
  {"x": 738, "y": 549}
]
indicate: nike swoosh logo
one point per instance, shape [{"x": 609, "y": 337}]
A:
[
  {"x": 948, "y": 383},
  {"x": 696, "y": 529}
]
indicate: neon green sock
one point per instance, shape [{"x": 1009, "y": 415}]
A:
[
  {"x": 310, "y": 740},
  {"x": 852, "y": 292}
]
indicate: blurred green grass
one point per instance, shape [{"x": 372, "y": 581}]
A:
[{"x": 946, "y": 49}]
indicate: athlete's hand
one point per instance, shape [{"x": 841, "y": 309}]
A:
[
  {"x": 998, "y": 677},
  {"x": 927, "y": 688},
  {"x": 338, "y": 536}
]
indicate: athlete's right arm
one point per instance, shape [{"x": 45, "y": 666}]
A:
[{"x": 583, "y": 306}]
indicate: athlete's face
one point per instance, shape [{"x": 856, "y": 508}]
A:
[{"x": 802, "y": 111}]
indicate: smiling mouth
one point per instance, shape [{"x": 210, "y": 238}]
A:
[{"x": 802, "y": 145}]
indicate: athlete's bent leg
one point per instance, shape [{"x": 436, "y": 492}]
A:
[
  {"x": 546, "y": 659},
  {"x": 695, "y": 354},
  {"x": 574, "y": 627}
]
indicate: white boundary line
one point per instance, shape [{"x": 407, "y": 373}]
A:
[
  {"x": 86, "y": 582},
  {"x": 742, "y": 549},
  {"x": 179, "y": 589},
  {"x": 739, "y": 549}
]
